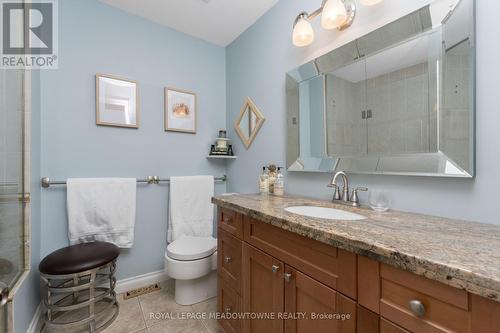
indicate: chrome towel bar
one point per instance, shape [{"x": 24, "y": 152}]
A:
[{"x": 47, "y": 182}]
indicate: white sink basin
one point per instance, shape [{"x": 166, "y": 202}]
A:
[{"x": 325, "y": 213}]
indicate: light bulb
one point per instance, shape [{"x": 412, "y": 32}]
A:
[
  {"x": 370, "y": 2},
  {"x": 303, "y": 33},
  {"x": 334, "y": 14}
]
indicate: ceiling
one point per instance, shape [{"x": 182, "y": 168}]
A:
[{"x": 216, "y": 21}]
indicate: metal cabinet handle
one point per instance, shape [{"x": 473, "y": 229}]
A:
[
  {"x": 4, "y": 294},
  {"x": 417, "y": 308},
  {"x": 227, "y": 259},
  {"x": 288, "y": 277},
  {"x": 275, "y": 268}
]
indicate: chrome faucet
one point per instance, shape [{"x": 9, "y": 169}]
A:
[
  {"x": 345, "y": 198},
  {"x": 345, "y": 189}
]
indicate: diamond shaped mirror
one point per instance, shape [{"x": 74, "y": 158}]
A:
[{"x": 249, "y": 122}]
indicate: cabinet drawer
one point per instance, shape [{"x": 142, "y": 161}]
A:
[
  {"x": 388, "y": 327},
  {"x": 229, "y": 259},
  {"x": 228, "y": 303},
  {"x": 445, "y": 309},
  {"x": 231, "y": 222},
  {"x": 327, "y": 264}
]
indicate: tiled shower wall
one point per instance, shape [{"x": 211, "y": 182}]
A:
[
  {"x": 346, "y": 130},
  {"x": 401, "y": 114},
  {"x": 455, "y": 116}
]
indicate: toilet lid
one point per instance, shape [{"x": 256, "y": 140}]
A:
[{"x": 192, "y": 248}]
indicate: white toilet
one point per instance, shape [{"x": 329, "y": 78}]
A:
[{"x": 192, "y": 262}]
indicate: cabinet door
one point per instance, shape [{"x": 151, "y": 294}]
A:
[
  {"x": 325, "y": 310},
  {"x": 262, "y": 291},
  {"x": 229, "y": 306},
  {"x": 229, "y": 259}
]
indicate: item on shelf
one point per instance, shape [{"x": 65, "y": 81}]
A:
[
  {"x": 279, "y": 183},
  {"x": 222, "y": 146},
  {"x": 264, "y": 181},
  {"x": 272, "y": 176}
]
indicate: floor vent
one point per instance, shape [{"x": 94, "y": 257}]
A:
[{"x": 141, "y": 291}]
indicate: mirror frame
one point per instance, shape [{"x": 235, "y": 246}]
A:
[
  {"x": 249, "y": 104},
  {"x": 342, "y": 56}
]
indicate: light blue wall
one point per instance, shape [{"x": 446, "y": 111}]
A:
[
  {"x": 96, "y": 38},
  {"x": 256, "y": 65}
]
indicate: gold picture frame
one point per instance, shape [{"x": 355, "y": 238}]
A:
[
  {"x": 249, "y": 122},
  {"x": 180, "y": 110},
  {"x": 107, "y": 107}
]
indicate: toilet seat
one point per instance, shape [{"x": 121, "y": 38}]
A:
[{"x": 191, "y": 248}]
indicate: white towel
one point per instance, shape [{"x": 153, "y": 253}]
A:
[
  {"x": 102, "y": 209},
  {"x": 191, "y": 212}
]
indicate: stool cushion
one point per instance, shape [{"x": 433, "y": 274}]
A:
[{"x": 78, "y": 258}]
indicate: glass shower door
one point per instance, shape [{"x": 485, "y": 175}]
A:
[{"x": 12, "y": 195}]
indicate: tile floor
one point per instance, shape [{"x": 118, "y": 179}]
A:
[{"x": 143, "y": 314}]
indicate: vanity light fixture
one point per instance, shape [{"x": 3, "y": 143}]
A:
[
  {"x": 303, "y": 33},
  {"x": 370, "y": 2},
  {"x": 335, "y": 14}
]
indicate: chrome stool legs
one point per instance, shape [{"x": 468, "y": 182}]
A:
[{"x": 81, "y": 300}]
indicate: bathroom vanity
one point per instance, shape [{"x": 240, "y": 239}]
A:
[{"x": 387, "y": 273}]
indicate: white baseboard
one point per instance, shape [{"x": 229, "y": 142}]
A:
[
  {"x": 140, "y": 281},
  {"x": 34, "y": 328},
  {"x": 121, "y": 287}
]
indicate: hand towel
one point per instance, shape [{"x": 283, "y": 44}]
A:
[
  {"x": 191, "y": 212},
  {"x": 101, "y": 209}
]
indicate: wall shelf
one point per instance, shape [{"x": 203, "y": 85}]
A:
[{"x": 222, "y": 157}]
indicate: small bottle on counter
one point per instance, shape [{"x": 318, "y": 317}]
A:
[
  {"x": 272, "y": 177},
  {"x": 279, "y": 184},
  {"x": 264, "y": 181}
]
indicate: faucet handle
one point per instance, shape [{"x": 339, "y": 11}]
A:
[{"x": 354, "y": 197}]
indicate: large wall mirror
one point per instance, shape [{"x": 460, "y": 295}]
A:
[{"x": 399, "y": 100}]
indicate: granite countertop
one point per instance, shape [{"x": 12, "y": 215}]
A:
[{"x": 458, "y": 253}]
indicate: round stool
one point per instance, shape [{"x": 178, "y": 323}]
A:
[{"x": 79, "y": 287}]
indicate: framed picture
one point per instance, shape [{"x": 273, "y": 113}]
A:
[
  {"x": 180, "y": 111},
  {"x": 117, "y": 101}
]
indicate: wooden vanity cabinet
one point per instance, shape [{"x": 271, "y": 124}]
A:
[
  {"x": 275, "y": 274},
  {"x": 327, "y": 264},
  {"x": 272, "y": 288}
]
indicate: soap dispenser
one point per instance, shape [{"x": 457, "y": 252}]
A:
[
  {"x": 279, "y": 184},
  {"x": 264, "y": 181}
]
